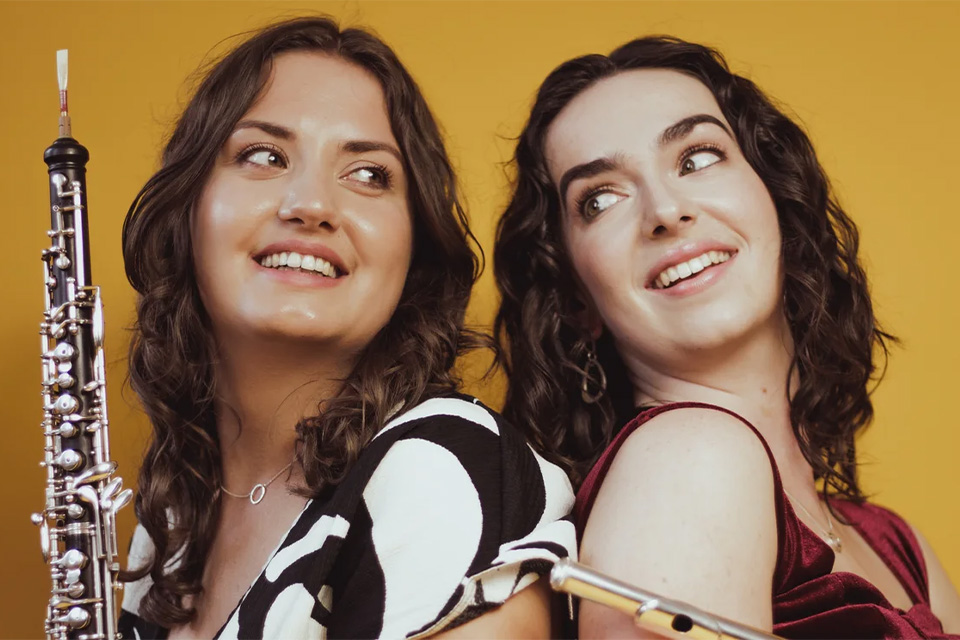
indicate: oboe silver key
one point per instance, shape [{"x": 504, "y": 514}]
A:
[{"x": 78, "y": 535}]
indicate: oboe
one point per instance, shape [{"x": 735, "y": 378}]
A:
[
  {"x": 78, "y": 535},
  {"x": 650, "y": 612}
]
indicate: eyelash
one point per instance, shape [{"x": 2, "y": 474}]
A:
[
  {"x": 585, "y": 197},
  {"x": 384, "y": 171},
  {"x": 386, "y": 175},
  {"x": 706, "y": 146},
  {"x": 246, "y": 152}
]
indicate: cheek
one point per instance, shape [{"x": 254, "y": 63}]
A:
[
  {"x": 384, "y": 240},
  {"x": 603, "y": 256},
  {"x": 764, "y": 226},
  {"x": 203, "y": 232},
  {"x": 751, "y": 203},
  {"x": 221, "y": 224},
  {"x": 226, "y": 219}
]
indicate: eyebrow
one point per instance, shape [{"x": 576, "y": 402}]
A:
[
  {"x": 683, "y": 128},
  {"x": 364, "y": 146},
  {"x": 586, "y": 170},
  {"x": 274, "y": 130},
  {"x": 351, "y": 146}
]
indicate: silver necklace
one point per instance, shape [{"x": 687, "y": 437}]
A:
[
  {"x": 259, "y": 490},
  {"x": 833, "y": 540}
]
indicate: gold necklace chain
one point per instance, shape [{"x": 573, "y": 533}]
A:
[
  {"x": 259, "y": 490},
  {"x": 833, "y": 540}
]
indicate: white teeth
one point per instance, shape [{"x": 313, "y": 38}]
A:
[
  {"x": 686, "y": 269},
  {"x": 294, "y": 260}
]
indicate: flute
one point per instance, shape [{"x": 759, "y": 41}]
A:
[{"x": 650, "y": 612}]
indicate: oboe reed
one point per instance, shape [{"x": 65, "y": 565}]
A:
[{"x": 62, "y": 81}]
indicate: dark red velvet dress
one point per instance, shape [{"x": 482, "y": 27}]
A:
[{"x": 808, "y": 600}]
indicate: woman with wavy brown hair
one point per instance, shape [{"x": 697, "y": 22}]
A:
[
  {"x": 303, "y": 266},
  {"x": 673, "y": 249}
]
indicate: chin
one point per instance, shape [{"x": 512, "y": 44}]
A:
[
  {"x": 694, "y": 335},
  {"x": 721, "y": 332}
]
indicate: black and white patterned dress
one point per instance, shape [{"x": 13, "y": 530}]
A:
[{"x": 445, "y": 515}]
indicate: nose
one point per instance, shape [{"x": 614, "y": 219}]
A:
[
  {"x": 665, "y": 212},
  {"x": 310, "y": 203}
]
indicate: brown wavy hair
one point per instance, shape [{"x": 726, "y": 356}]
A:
[
  {"x": 173, "y": 352},
  {"x": 827, "y": 302}
]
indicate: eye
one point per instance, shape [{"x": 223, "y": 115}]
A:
[
  {"x": 376, "y": 176},
  {"x": 593, "y": 203},
  {"x": 263, "y": 156},
  {"x": 699, "y": 158}
]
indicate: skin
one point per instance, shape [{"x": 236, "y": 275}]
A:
[
  {"x": 293, "y": 171},
  {"x": 284, "y": 342},
  {"x": 707, "y": 533}
]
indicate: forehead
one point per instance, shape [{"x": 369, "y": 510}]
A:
[
  {"x": 625, "y": 112},
  {"x": 307, "y": 88}
]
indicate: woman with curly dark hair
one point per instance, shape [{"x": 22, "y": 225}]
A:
[
  {"x": 673, "y": 248},
  {"x": 303, "y": 266}
]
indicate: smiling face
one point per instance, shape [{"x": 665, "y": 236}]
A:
[
  {"x": 673, "y": 236},
  {"x": 303, "y": 229}
]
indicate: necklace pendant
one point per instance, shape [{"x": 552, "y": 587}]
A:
[
  {"x": 835, "y": 543},
  {"x": 260, "y": 490}
]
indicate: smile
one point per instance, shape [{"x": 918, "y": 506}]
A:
[
  {"x": 295, "y": 261},
  {"x": 678, "y": 272}
]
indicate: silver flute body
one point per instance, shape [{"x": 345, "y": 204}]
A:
[
  {"x": 671, "y": 618},
  {"x": 78, "y": 534}
]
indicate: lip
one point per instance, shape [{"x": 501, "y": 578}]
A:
[
  {"x": 304, "y": 247},
  {"x": 682, "y": 253},
  {"x": 698, "y": 282}
]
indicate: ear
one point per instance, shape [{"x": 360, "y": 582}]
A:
[{"x": 587, "y": 317}]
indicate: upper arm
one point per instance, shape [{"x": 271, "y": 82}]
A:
[
  {"x": 524, "y": 615},
  {"x": 687, "y": 511},
  {"x": 447, "y": 537},
  {"x": 944, "y": 600}
]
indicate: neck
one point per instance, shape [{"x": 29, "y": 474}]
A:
[
  {"x": 748, "y": 378},
  {"x": 264, "y": 388}
]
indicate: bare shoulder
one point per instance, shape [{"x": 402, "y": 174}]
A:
[
  {"x": 692, "y": 425},
  {"x": 687, "y": 511},
  {"x": 686, "y": 448},
  {"x": 944, "y": 599}
]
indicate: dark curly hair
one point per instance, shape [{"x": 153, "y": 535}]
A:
[
  {"x": 827, "y": 302},
  {"x": 173, "y": 351}
]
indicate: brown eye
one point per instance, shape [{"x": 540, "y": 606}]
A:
[
  {"x": 265, "y": 158},
  {"x": 596, "y": 203},
  {"x": 262, "y": 155},
  {"x": 699, "y": 160},
  {"x": 372, "y": 176}
]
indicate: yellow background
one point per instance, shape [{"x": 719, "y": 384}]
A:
[{"x": 876, "y": 84}]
